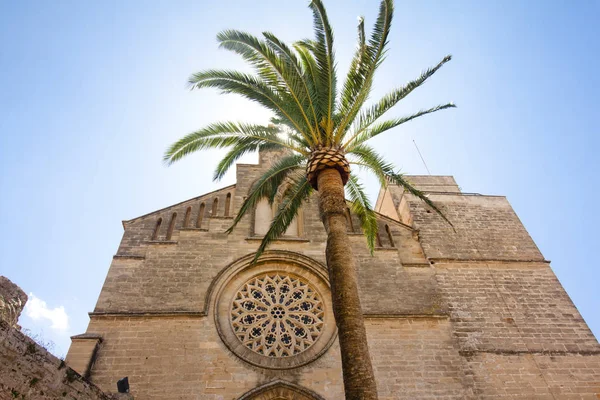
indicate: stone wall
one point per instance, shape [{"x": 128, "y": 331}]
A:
[
  {"x": 172, "y": 357},
  {"x": 29, "y": 371},
  {"x": 516, "y": 328},
  {"x": 474, "y": 312}
]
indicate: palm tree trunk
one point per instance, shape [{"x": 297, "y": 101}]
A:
[{"x": 359, "y": 381}]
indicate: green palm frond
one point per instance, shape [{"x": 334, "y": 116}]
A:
[
  {"x": 252, "y": 88},
  {"x": 299, "y": 190},
  {"x": 255, "y": 52},
  {"x": 381, "y": 127},
  {"x": 361, "y": 207},
  {"x": 385, "y": 172},
  {"x": 356, "y": 73},
  {"x": 399, "y": 179},
  {"x": 241, "y": 148},
  {"x": 305, "y": 85},
  {"x": 322, "y": 49},
  {"x": 298, "y": 85},
  {"x": 370, "y": 115},
  {"x": 310, "y": 70},
  {"x": 268, "y": 183},
  {"x": 366, "y": 157},
  {"x": 274, "y": 70},
  {"x": 375, "y": 52},
  {"x": 225, "y": 134}
]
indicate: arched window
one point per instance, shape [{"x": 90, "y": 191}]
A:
[
  {"x": 389, "y": 233},
  {"x": 378, "y": 237},
  {"x": 186, "y": 219},
  {"x": 227, "y": 204},
  {"x": 349, "y": 225},
  {"x": 215, "y": 207},
  {"x": 171, "y": 226},
  {"x": 156, "y": 228},
  {"x": 292, "y": 230},
  {"x": 262, "y": 217},
  {"x": 200, "y": 215}
]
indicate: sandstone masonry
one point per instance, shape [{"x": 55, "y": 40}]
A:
[
  {"x": 28, "y": 370},
  {"x": 470, "y": 313}
]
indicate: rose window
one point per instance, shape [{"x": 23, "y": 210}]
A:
[{"x": 277, "y": 315}]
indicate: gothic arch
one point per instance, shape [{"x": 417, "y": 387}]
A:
[
  {"x": 263, "y": 209},
  {"x": 230, "y": 290},
  {"x": 280, "y": 390}
]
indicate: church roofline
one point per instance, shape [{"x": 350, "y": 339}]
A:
[
  {"x": 402, "y": 224},
  {"x": 126, "y": 221}
]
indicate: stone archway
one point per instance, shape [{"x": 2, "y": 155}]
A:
[{"x": 280, "y": 390}]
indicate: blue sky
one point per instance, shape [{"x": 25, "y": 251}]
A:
[{"x": 93, "y": 92}]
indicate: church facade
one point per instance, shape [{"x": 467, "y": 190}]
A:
[{"x": 466, "y": 314}]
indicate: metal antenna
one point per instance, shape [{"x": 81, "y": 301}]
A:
[{"x": 420, "y": 155}]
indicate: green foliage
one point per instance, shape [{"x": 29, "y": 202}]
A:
[
  {"x": 31, "y": 349},
  {"x": 71, "y": 375},
  {"x": 266, "y": 186},
  {"x": 298, "y": 191},
  {"x": 361, "y": 206},
  {"x": 298, "y": 84}
]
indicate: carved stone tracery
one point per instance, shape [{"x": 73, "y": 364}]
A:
[{"x": 277, "y": 315}]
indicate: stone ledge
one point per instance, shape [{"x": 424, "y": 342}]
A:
[
  {"x": 486, "y": 260},
  {"x": 168, "y": 242},
  {"x": 468, "y": 353},
  {"x": 159, "y": 314},
  {"x": 95, "y": 336},
  {"x": 152, "y": 314},
  {"x": 128, "y": 257},
  {"x": 194, "y": 229},
  {"x": 416, "y": 265},
  {"x": 281, "y": 239},
  {"x": 406, "y": 316}
]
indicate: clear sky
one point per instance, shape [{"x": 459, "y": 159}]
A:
[{"x": 93, "y": 92}]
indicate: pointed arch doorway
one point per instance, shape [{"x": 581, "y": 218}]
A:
[{"x": 280, "y": 390}]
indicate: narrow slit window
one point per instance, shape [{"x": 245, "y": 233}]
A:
[
  {"x": 186, "y": 220},
  {"x": 292, "y": 230},
  {"x": 227, "y": 204},
  {"x": 349, "y": 226},
  {"x": 378, "y": 237},
  {"x": 200, "y": 215},
  {"x": 389, "y": 233},
  {"x": 156, "y": 229},
  {"x": 215, "y": 206},
  {"x": 171, "y": 226},
  {"x": 263, "y": 215}
]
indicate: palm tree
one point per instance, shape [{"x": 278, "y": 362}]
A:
[{"x": 325, "y": 130}]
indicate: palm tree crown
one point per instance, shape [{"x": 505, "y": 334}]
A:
[
  {"x": 325, "y": 130},
  {"x": 320, "y": 124}
]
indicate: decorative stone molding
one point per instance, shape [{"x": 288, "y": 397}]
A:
[
  {"x": 280, "y": 389},
  {"x": 276, "y": 314}
]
